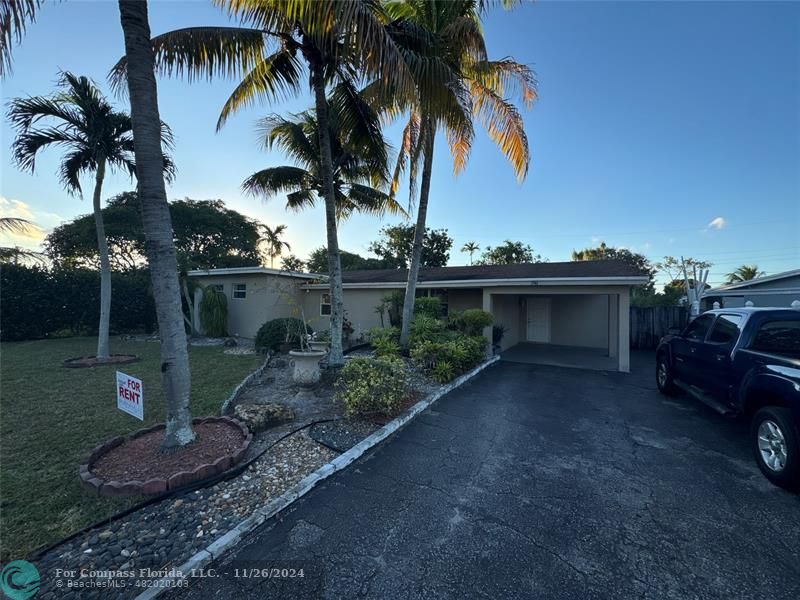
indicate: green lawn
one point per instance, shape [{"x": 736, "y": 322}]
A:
[{"x": 51, "y": 417}]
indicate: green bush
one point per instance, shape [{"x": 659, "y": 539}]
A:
[
  {"x": 428, "y": 306},
  {"x": 214, "y": 312},
  {"x": 372, "y": 386},
  {"x": 471, "y": 322},
  {"x": 286, "y": 330},
  {"x": 385, "y": 340},
  {"x": 443, "y": 372},
  {"x": 425, "y": 328},
  {"x": 38, "y": 302},
  {"x": 461, "y": 354}
]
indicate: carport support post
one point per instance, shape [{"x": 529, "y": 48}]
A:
[
  {"x": 624, "y": 336},
  {"x": 613, "y": 325},
  {"x": 487, "y": 331}
]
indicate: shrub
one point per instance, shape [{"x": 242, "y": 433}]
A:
[
  {"x": 498, "y": 332},
  {"x": 425, "y": 328},
  {"x": 428, "y": 306},
  {"x": 443, "y": 372},
  {"x": 471, "y": 322},
  {"x": 461, "y": 353},
  {"x": 285, "y": 330},
  {"x": 372, "y": 386},
  {"x": 385, "y": 340},
  {"x": 393, "y": 304},
  {"x": 214, "y": 312},
  {"x": 38, "y": 302}
]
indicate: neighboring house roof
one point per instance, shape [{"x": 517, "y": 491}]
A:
[
  {"x": 754, "y": 282},
  {"x": 573, "y": 272},
  {"x": 251, "y": 271},
  {"x": 751, "y": 286}
]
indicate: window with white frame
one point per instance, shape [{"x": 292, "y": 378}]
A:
[
  {"x": 325, "y": 305},
  {"x": 240, "y": 290}
]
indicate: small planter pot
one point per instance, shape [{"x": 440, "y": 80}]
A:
[
  {"x": 306, "y": 366},
  {"x": 319, "y": 346}
]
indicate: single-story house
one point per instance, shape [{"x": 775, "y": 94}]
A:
[
  {"x": 578, "y": 309},
  {"x": 778, "y": 290}
]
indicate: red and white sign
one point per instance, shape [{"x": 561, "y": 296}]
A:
[{"x": 130, "y": 395}]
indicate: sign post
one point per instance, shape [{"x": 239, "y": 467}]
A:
[{"x": 130, "y": 395}]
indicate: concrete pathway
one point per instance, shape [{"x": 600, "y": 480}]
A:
[{"x": 537, "y": 482}]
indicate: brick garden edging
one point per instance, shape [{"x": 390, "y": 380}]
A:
[
  {"x": 230, "y": 539},
  {"x": 160, "y": 485}
]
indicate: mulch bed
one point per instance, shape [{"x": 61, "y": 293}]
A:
[
  {"x": 140, "y": 458},
  {"x": 85, "y": 362}
]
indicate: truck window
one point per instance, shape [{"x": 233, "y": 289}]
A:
[
  {"x": 778, "y": 337},
  {"x": 726, "y": 329},
  {"x": 698, "y": 328}
]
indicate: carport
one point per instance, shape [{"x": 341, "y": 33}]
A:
[{"x": 563, "y": 325}]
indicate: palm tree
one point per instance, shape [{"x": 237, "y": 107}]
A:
[
  {"x": 156, "y": 221},
  {"x": 271, "y": 238},
  {"x": 471, "y": 248},
  {"x": 358, "y": 165},
  {"x": 744, "y": 273},
  {"x": 479, "y": 88},
  {"x": 337, "y": 41},
  {"x": 293, "y": 263},
  {"x": 95, "y": 136}
]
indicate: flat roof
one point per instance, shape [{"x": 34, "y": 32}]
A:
[{"x": 252, "y": 271}]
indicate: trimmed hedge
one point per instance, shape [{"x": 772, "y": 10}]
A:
[{"x": 38, "y": 302}]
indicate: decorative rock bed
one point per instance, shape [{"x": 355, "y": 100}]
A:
[
  {"x": 112, "y": 467},
  {"x": 168, "y": 532},
  {"x": 87, "y": 362}
]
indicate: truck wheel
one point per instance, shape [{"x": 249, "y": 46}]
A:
[
  {"x": 664, "y": 380},
  {"x": 776, "y": 446}
]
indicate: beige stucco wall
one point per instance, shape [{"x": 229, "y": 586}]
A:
[
  {"x": 508, "y": 313},
  {"x": 462, "y": 299},
  {"x": 268, "y": 297},
  {"x": 359, "y": 306},
  {"x": 579, "y": 321}
]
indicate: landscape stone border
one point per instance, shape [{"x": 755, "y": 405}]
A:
[
  {"x": 305, "y": 485},
  {"x": 129, "y": 358},
  {"x": 226, "y": 406},
  {"x": 160, "y": 485}
]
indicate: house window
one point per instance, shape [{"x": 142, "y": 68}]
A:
[
  {"x": 240, "y": 290},
  {"x": 325, "y": 305}
]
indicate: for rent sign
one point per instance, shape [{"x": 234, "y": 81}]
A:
[{"x": 130, "y": 395}]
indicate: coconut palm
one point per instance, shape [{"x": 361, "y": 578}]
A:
[
  {"x": 80, "y": 120},
  {"x": 359, "y": 166},
  {"x": 744, "y": 273},
  {"x": 271, "y": 238},
  {"x": 156, "y": 221},
  {"x": 479, "y": 89},
  {"x": 335, "y": 40},
  {"x": 471, "y": 248}
]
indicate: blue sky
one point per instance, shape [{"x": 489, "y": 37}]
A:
[{"x": 654, "y": 121}]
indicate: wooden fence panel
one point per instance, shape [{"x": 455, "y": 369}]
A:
[{"x": 649, "y": 324}]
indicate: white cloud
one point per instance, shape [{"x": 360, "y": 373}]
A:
[
  {"x": 716, "y": 223},
  {"x": 32, "y": 236}
]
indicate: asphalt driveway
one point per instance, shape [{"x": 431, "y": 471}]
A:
[{"x": 538, "y": 482}]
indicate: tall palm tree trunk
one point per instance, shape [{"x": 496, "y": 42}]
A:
[
  {"x": 105, "y": 265},
  {"x": 335, "y": 356},
  {"x": 160, "y": 249},
  {"x": 419, "y": 235}
]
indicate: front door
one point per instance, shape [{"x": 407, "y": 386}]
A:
[{"x": 539, "y": 320}]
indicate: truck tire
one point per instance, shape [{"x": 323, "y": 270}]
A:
[
  {"x": 664, "y": 380},
  {"x": 776, "y": 446}
]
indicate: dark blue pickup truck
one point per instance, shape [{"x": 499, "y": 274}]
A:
[{"x": 744, "y": 362}]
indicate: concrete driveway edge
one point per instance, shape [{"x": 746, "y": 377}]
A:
[{"x": 305, "y": 485}]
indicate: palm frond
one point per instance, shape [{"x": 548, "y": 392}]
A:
[
  {"x": 506, "y": 78},
  {"x": 292, "y": 137},
  {"x": 267, "y": 183},
  {"x": 200, "y": 53},
  {"x": 369, "y": 200},
  {"x": 504, "y": 125},
  {"x": 15, "y": 225},
  {"x": 275, "y": 77},
  {"x": 15, "y": 15}
]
